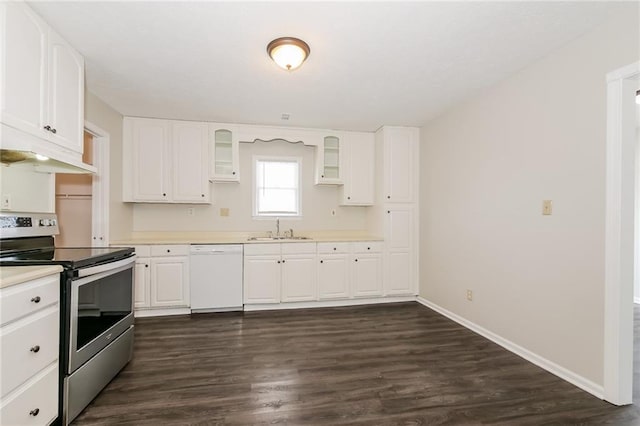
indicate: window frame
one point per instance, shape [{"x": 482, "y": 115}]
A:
[{"x": 282, "y": 159}]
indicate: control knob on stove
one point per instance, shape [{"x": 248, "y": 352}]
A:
[{"x": 46, "y": 222}]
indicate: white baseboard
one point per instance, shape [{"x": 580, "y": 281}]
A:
[
  {"x": 328, "y": 303},
  {"x": 553, "y": 368},
  {"x": 141, "y": 313}
]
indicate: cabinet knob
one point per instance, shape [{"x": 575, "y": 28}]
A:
[
  {"x": 348, "y": 198},
  {"x": 100, "y": 238},
  {"x": 278, "y": 261},
  {"x": 35, "y": 349},
  {"x": 368, "y": 248},
  {"x": 53, "y": 130},
  {"x": 168, "y": 251},
  {"x": 34, "y": 412},
  {"x": 202, "y": 195},
  {"x": 356, "y": 260},
  {"x": 388, "y": 197},
  {"x": 282, "y": 260},
  {"x": 233, "y": 173},
  {"x": 146, "y": 266},
  {"x": 322, "y": 261},
  {"x": 94, "y": 238},
  {"x": 164, "y": 194},
  {"x": 334, "y": 248},
  {"x": 321, "y": 176},
  {"x": 36, "y": 299},
  {"x": 47, "y": 128},
  {"x": 388, "y": 211}
]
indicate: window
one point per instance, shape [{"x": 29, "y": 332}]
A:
[{"x": 277, "y": 186}]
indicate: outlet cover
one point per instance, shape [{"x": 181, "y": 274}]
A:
[
  {"x": 547, "y": 207},
  {"x": 224, "y": 211},
  {"x": 6, "y": 201},
  {"x": 469, "y": 295}
]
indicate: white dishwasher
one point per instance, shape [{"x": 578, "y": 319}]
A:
[{"x": 216, "y": 277}]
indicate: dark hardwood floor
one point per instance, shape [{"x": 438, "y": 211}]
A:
[{"x": 399, "y": 364}]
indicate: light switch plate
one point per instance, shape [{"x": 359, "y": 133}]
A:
[
  {"x": 224, "y": 211},
  {"x": 547, "y": 207},
  {"x": 6, "y": 201}
]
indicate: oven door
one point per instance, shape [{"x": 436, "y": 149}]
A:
[{"x": 101, "y": 308}]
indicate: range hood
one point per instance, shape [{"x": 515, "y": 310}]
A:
[{"x": 43, "y": 164}]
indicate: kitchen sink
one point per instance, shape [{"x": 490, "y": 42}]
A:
[{"x": 277, "y": 238}]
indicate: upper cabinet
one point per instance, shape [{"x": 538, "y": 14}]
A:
[
  {"x": 224, "y": 147},
  {"x": 165, "y": 161},
  {"x": 400, "y": 148},
  {"x": 358, "y": 171},
  {"x": 329, "y": 160},
  {"x": 43, "y": 86}
]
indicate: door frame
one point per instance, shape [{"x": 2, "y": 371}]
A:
[
  {"x": 619, "y": 234},
  {"x": 100, "y": 185}
]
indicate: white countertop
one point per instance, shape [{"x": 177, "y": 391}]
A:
[
  {"x": 151, "y": 238},
  {"x": 11, "y": 275}
]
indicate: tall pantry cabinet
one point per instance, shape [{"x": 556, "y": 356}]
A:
[{"x": 396, "y": 208}]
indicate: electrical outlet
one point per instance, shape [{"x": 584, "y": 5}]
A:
[
  {"x": 224, "y": 211},
  {"x": 547, "y": 207},
  {"x": 469, "y": 295},
  {"x": 191, "y": 211},
  {"x": 6, "y": 202},
  {"x": 333, "y": 212}
]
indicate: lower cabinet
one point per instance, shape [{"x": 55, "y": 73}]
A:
[
  {"x": 261, "y": 278},
  {"x": 366, "y": 277},
  {"x": 333, "y": 276},
  {"x": 161, "y": 277}
]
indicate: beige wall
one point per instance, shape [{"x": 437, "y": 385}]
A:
[
  {"x": 105, "y": 117},
  {"x": 486, "y": 166},
  {"x": 317, "y": 202},
  {"x": 29, "y": 191}
]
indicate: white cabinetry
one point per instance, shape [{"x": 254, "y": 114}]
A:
[
  {"x": 359, "y": 159},
  {"x": 366, "y": 275},
  {"x": 29, "y": 345},
  {"x": 161, "y": 277},
  {"x": 165, "y": 161},
  {"x": 329, "y": 160},
  {"x": 333, "y": 271},
  {"x": 225, "y": 153},
  {"x": 42, "y": 92},
  {"x": 397, "y": 152},
  {"x": 279, "y": 272}
]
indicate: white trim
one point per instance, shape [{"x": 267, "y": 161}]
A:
[
  {"x": 100, "y": 185},
  {"x": 142, "y": 313},
  {"x": 619, "y": 234},
  {"x": 282, "y": 159},
  {"x": 327, "y": 303},
  {"x": 636, "y": 300},
  {"x": 563, "y": 373}
]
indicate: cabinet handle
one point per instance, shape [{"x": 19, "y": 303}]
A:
[
  {"x": 322, "y": 261},
  {"x": 36, "y": 299},
  {"x": 53, "y": 130},
  {"x": 47, "y": 128},
  {"x": 34, "y": 412},
  {"x": 35, "y": 349}
]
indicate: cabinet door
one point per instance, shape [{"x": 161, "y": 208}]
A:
[
  {"x": 399, "y": 250},
  {"x": 329, "y": 160},
  {"x": 66, "y": 94},
  {"x": 225, "y": 153},
  {"x": 262, "y": 279},
  {"x": 190, "y": 165},
  {"x": 367, "y": 275},
  {"x": 169, "y": 281},
  {"x": 23, "y": 93},
  {"x": 333, "y": 276},
  {"x": 399, "y": 155},
  {"x": 398, "y": 274},
  {"x": 151, "y": 159},
  {"x": 358, "y": 189},
  {"x": 142, "y": 289},
  {"x": 299, "y": 280},
  {"x": 399, "y": 228}
]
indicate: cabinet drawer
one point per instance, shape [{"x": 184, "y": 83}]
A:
[
  {"x": 326, "y": 248},
  {"x": 298, "y": 248},
  {"x": 170, "y": 250},
  {"x": 27, "y": 346},
  {"x": 260, "y": 248},
  {"x": 34, "y": 404},
  {"x": 367, "y": 247},
  {"x": 143, "y": 251},
  {"x": 22, "y": 299}
]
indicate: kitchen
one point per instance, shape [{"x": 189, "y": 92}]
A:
[{"x": 369, "y": 246}]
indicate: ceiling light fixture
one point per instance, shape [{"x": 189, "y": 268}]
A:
[{"x": 288, "y": 52}]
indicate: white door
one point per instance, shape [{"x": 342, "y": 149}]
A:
[
  {"x": 23, "y": 93},
  {"x": 151, "y": 172},
  {"x": 367, "y": 275},
  {"x": 66, "y": 94},
  {"x": 333, "y": 276},
  {"x": 142, "y": 290},
  {"x": 262, "y": 279},
  {"x": 190, "y": 162},
  {"x": 399, "y": 153},
  {"x": 299, "y": 278},
  {"x": 169, "y": 281}
]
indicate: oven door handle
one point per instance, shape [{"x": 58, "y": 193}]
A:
[{"x": 85, "y": 272}]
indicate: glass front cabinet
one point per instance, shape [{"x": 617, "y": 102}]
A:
[
  {"x": 225, "y": 159},
  {"x": 329, "y": 160}
]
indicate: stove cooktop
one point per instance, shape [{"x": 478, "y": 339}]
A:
[{"x": 75, "y": 257}]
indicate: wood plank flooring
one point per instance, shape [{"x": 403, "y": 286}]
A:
[{"x": 394, "y": 364}]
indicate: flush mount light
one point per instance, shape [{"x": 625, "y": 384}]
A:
[
  {"x": 41, "y": 157},
  {"x": 288, "y": 52}
]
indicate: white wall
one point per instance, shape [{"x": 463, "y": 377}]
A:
[
  {"x": 317, "y": 202},
  {"x": 30, "y": 191},
  {"x": 105, "y": 117},
  {"x": 486, "y": 166}
]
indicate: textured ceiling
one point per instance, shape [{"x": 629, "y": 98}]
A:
[{"x": 371, "y": 63}]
